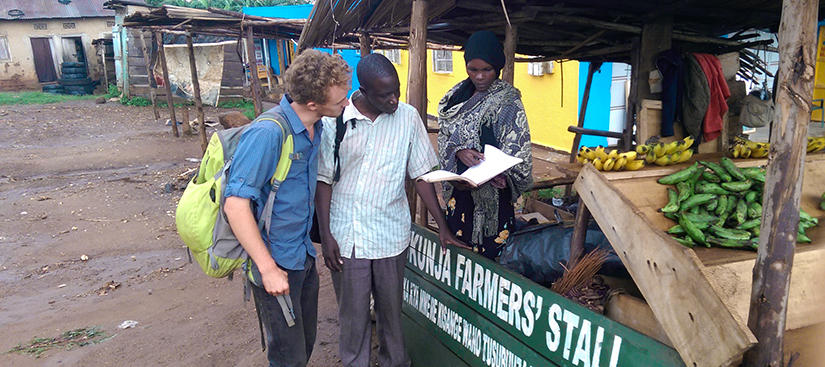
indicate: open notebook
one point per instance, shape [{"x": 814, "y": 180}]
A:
[{"x": 495, "y": 162}]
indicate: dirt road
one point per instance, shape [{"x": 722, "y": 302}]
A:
[{"x": 80, "y": 180}]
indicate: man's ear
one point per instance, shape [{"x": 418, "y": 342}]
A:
[
  {"x": 312, "y": 106},
  {"x": 362, "y": 90}
]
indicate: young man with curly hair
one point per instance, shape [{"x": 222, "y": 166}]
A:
[{"x": 283, "y": 260}]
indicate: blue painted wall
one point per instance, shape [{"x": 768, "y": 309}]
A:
[
  {"x": 352, "y": 57},
  {"x": 597, "y": 116}
]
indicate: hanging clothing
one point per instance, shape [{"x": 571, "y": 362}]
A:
[
  {"x": 696, "y": 96},
  {"x": 719, "y": 93},
  {"x": 494, "y": 117},
  {"x": 671, "y": 67}
]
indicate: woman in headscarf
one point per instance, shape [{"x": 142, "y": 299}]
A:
[{"x": 479, "y": 110}]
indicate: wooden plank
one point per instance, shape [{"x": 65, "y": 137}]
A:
[
  {"x": 196, "y": 88},
  {"x": 253, "y": 67},
  {"x": 510, "y": 40},
  {"x": 670, "y": 276},
  {"x": 636, "y": 314},
  {"x": 547, "y": 323},
  {"x": 650, "y": 124}
]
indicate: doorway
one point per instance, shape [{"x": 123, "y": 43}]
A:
[
  {"x": 43, "y": 60},
  {"x": 73, "y": 50}
]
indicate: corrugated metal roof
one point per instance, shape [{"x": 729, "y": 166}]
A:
[{"x": 44, "y": 9}]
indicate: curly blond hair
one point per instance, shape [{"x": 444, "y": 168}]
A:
[{"x": 312, "y": 73}]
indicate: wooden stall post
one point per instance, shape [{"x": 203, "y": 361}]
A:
[
  {"x": 196, "y": 87},
  {"x": 364, "y": 42},
  {"x": 186, "y": 129},
  {"x": 656, "y": 37},
  {"x": 579, "y": 234},
  {"x": 162, "y": 55},
  {"x": 150, "y": 75},
  {"x": 281, "y": 49},
  {"x": 592, "y": 69},
  {"x": 417, "y": 88},
  {"x": 253, "y": 72},
  {"x": 510, "y": 41},
  {"x": 781, "y": 202}
]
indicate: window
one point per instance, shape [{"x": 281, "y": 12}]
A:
[
  {"x": 5, "y": 54},
  {"x": 110, "y": 23},
  {"x": 442, "y": 61},
  {"x": 68, "y": 25},
  {"x": 539, "y": 68},
  {"x": 394, "y": 55},
  {"x": 41, "y": 26}
]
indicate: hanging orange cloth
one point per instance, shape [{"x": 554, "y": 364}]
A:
[{"x": 719, "y": 94}]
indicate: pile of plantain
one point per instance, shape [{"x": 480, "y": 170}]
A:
[
  {"x": 613, "y": 161},
  {"x": 667, "y": 154},
  {"x": 720, "y": 204},
  {"x": 742, "y": 148}
]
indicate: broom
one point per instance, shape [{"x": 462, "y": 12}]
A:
[{"x": 581, "y": 273}]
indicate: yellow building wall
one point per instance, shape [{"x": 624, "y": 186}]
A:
[
  {"x": 550, "y": 100},
  {"x": 19, "y": 73},
  {"x": 819, "y": 78}
]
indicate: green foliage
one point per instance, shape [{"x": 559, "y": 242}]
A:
[
  {"x": 113, "y": 91},
  {"x": 234, "y": 5},
  {"x": 71, "y": 339},
  {"x": 553, "y": 192},
  {"x": 13, "y": 98},
  {"x": 135, "y": 101},
  {"x": 246, "y": 107}
]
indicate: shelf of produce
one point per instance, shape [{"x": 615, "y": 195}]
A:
[{"x": 702, "y": 292}]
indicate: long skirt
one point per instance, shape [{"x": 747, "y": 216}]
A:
[{"x": 460, "y": 219}]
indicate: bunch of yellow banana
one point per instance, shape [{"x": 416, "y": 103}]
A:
[
  {"x": 816, "y": 144},
  {"x": 612, "y": 161},
  {"x": 742, "y": 148},
  {"x": 666, "y": 154}
]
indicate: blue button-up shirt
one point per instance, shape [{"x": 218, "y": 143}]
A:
[{"x": 252, "y": 168}]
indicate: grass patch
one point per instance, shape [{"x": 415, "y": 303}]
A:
[
  {"x": 17, "y": 98},
  {"x": 246, "y": 107},
  {"x": 69, "y": 340},
  {"x": 113, "y": 92},
  {"x": 553, "y": 192},
  {"x": 135, "y": 101}
]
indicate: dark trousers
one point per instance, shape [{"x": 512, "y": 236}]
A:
[
  {"x": 291, "y": 346},
  {"x": 384, "y": 278}
]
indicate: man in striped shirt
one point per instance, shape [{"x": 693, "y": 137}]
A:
[{"x": 364, "y": 217}]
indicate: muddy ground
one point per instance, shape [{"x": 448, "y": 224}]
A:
[{"x": 79, "y": 180}]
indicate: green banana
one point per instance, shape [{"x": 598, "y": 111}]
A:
[
  {"x": 710, "y": 177},
  {"x": 677, "y": 230},
  {"x": 731, "y": 234},
  {"x": 755, "y": 231},
  {"x": 807, "y": 217},
  {"x": 697, "y": 218},
  {"x": 723, "y": 205},
  {"x": 712, "y": 205},
  {"x": 754, "y": 173},
  {"x": 734, "y": 244},
  {"x": 687, "y": 241},
  {"x": 718, "y": 170},
  {"x": 731, "y": 205},
  {"x": 751, "y": 196},
  {"x": 696, "y": 200},
  {"x": 695, "y": 233},
  {"x": 754, "y": 210},
  {"x": 722, "y": 219},
  {"x": 748, "y": 224},
  {"x": 710, "y": 188},
  {"x": 680, "y": 176},
  {"x": 741, "y": 211},
  {"x": 672, "y": 216},
  {"x": 685, "y": 190},
  {"x": 737, "y": 186},
  {"x": 801, "y": 237},
  {"x": 729, "y": 166},
  {"x": 672, "y": 202}
]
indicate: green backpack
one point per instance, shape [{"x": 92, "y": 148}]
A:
[{"x": 200, "y": 219}]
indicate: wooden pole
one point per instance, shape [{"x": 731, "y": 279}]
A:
[
  {"x": 783, "y": 188},
  {"x": 281, "y": 49},
  {"x": 364, "y": 41},
  {"x": 630, "y": 108},
  {"x": 579, "y": 234},
  {"x": 186, "y": 129},
  {"x": 417, "y": 76},
  {"x": 150, "y": 74},
  {"x": 169, "y": 102},
  {"x": 510, "y": 41},
  {"x": 253, "y": 72},
  {"x": 591, "y": 70},
  {"x": 196, "y": 88},
  {"x": 656, "y": 37}
]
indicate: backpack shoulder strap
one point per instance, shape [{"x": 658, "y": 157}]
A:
[
  {"x": 281, "y": 170},
  {"x": 340, "y": 130}
]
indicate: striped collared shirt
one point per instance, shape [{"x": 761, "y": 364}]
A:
[{"x": 369, "y": 213}]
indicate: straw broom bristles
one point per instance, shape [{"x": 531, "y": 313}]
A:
[{"x": 581, "y": 273}]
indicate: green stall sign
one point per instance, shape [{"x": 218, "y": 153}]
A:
[{"x": 486, "y": 315}]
